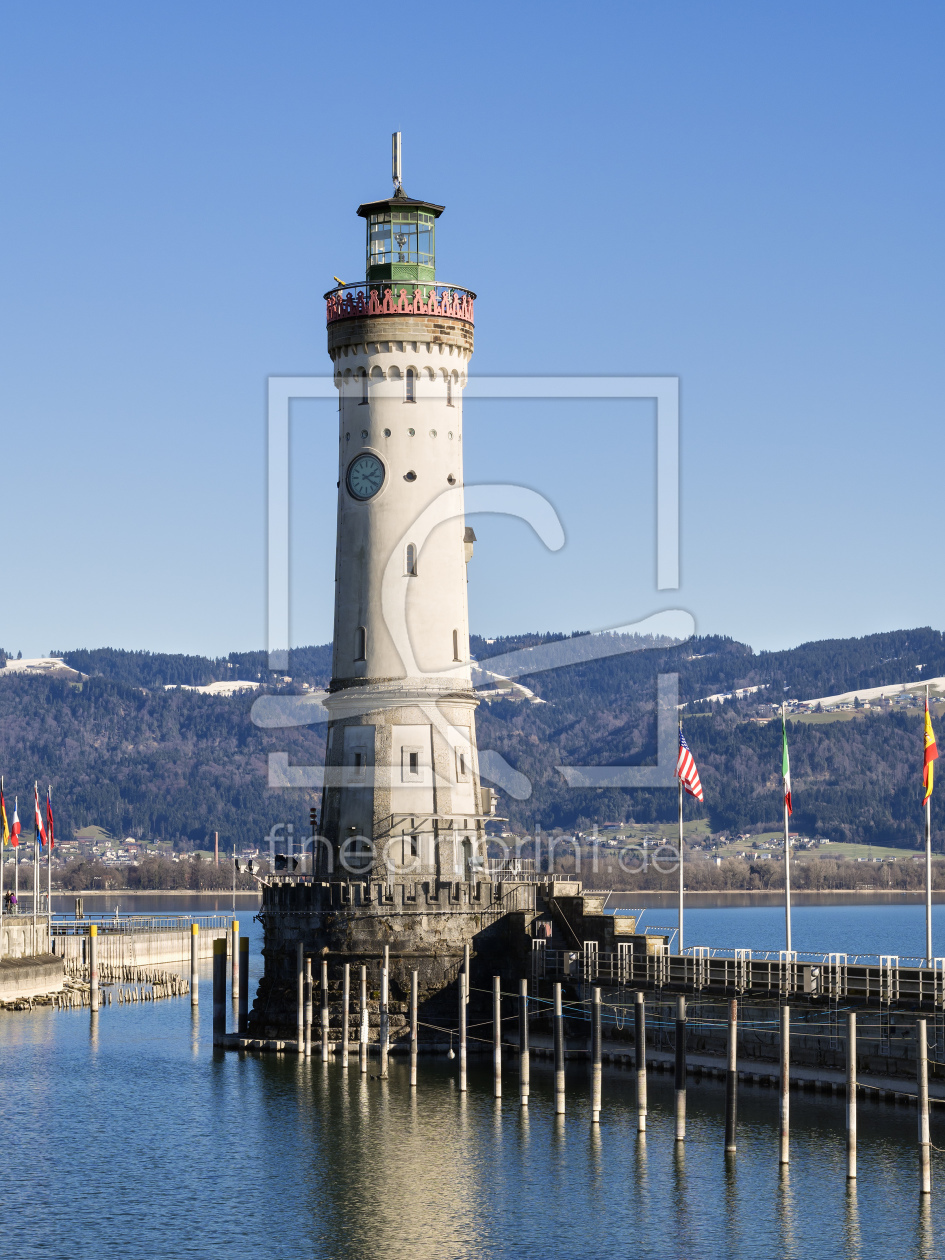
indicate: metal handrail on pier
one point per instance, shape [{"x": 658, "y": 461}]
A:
[
  {"x": 62, "y": 926},
  {"x": 872, "y": 979}
]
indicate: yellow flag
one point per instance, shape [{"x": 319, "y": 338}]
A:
[{"x": 931, "y": 754}]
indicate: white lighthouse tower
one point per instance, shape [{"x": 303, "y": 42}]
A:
[{"x": 402, "y": 800}]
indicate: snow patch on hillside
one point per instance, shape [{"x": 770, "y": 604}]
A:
[{"x": 41, "y": 666}]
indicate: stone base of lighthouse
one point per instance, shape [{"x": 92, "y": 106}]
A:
[{"x": 426, "y": 927}]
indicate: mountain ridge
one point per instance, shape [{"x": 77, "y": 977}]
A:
[{"x": 124, "y": 753}]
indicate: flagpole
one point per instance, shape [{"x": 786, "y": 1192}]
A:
[
  {"x": 928, "y": 863},
  {"x": 928, "y": 882},
  {"x": 787, "y": 862},
  {"x": 680, "y": 943},
  {"x": 3, "y": 854},
  {"x": 35, "y": 863},
  {"x": 49, "y": 845}
]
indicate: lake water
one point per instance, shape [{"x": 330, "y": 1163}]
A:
[
  {"x": 128, "y": 1136},
  {"x": 834, "y": 923}
]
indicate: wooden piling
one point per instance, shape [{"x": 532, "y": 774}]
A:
[
  {"x": 309, "y": 1000},
  {"x": 497, "y": 1036},
  {"x": 325, "y": 1028},
  {"x": 639, "y": 1038},
  {"x": 235, "y": 976},
  {"x": 219, "y": 991},
  {"x": 595, "y": 1057},
  {"x": 385, "y": 1017},
  {"x": 363, "y": 1032},
  {"x": 413, "y": 1027},
  {"x": 922, "y": 1072},
  {"x": 785, "y": 1084},
  {"x": 93, "y": 963},
  {"x": 680, "y": 1069},
  {"x": 731, "y": 1078},
  {"x": 462, "y": 1032},
  {"x": 243, "y": 1010},
  {"x": 523, "y": 1051},
  {"x": 851, "y": 1096},
  {"x": 299, "y": 997},
  {"x": 345, "y": 1023},
  {"x": 559, "y": 1051}
]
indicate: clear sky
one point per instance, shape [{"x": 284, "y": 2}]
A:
[{"x": 747, "y": 196}]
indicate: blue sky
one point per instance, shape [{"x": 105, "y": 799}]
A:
[{"x": 749, "y": 197}]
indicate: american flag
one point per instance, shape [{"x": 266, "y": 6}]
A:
[{"x": 686, "y": 769}]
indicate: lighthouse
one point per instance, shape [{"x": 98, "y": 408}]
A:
[
  {"x": 400, "y": 878},
  {"x": 402, "y": 798},
  {"x": 400, "y": 886}
]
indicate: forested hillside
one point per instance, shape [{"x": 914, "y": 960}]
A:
[{"x": 129, "y": 756}]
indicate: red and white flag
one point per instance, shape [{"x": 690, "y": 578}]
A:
[
  {"x": 15, "y": 828},
  {"x": 49, "y": 818},
  {"x": 40, "y": 829},
  {"x": 686, "y": 769}
]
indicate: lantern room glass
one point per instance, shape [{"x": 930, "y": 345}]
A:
[{"x": 400, "y": 236}]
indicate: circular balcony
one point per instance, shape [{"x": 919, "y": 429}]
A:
[{"x": 379, "y": 298}]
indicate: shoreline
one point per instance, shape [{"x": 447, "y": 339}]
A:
[
  {"x": 155, "y": 892},
  {"x": 775, "y": 893}
]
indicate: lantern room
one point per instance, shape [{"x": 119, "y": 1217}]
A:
[{"x": 400, "y": 238}]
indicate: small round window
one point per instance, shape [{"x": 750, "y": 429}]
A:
[
  {"x": 411, "y": 432},
  {"x": 433, "y": 433}
]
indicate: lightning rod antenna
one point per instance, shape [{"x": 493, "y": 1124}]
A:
[{"x": 395, "y": 161}]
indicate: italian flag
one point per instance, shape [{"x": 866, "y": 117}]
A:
[{"x": 786, "y": 766}]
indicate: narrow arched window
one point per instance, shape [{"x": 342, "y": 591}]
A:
[
  {"x": 449, "y": 391},
  {"x": 364, "y": 396},
  {"x": 410, "y": 560},
  {"x": 411, "y": 386},
  {"x": 456, "y": 655},
  {"x": 360, "y": 644}
]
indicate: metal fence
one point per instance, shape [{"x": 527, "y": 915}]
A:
[
  {"x": 62, "y": 926},
  {"x": 512, "y": 868},
  {"x": 881, "y": 979}
]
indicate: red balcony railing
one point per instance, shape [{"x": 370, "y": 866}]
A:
[{"x": 394, "y": 298}]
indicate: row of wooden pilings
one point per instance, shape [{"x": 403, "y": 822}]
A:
[{"x": 305, "y": 1009}]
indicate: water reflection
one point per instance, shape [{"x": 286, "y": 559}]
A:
[
  {"x": 851, "y": 1221},
  {"x": 732, "y": 1232},
  {"x": 681, "y": 1199},
  {"x": 926, "y": 1240},
  {"x": 786, "y": 1209}
]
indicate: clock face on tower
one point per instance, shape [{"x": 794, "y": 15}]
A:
[{"x": 365, "y": 477}]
